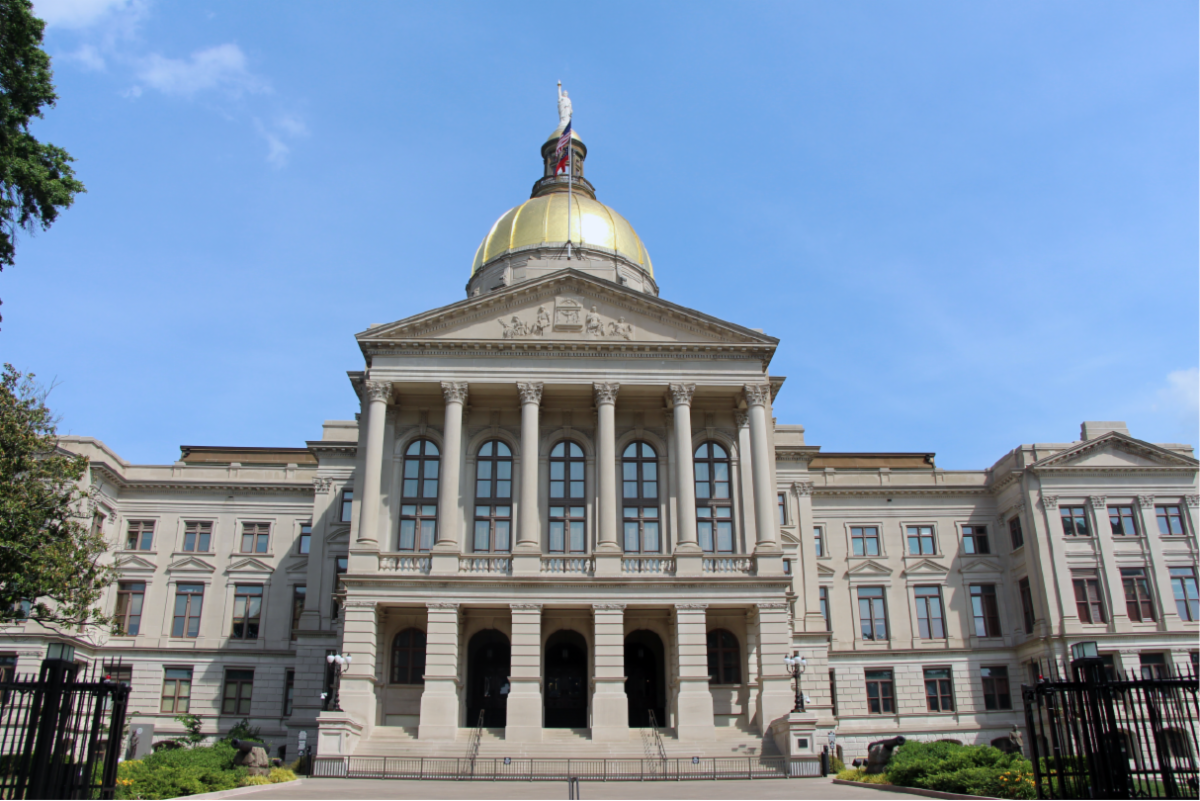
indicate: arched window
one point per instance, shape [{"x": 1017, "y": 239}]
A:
[
  {"x": 714, "y": 512},
  {"x": 418, "y": 497},
  {"x": 639, "y": 471},
  {"x": 724, "y": 658},
  {"x": 567, "y": 498},
  {"x": 408, "y": 657},
  {"x": 493, "y": 498}
]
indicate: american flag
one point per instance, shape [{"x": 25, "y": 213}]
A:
[{"x": 563, "y": 141}]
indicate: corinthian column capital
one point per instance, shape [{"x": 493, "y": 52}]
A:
[
  {"x": 530, "y": 391},
  {"x": 378, "y": 390},
  {"x": 606, "y": 393},
  {"x": 757, "y": 394},
  {"x": 681, "y": 394},
  {"x": 454, "y": 391}
]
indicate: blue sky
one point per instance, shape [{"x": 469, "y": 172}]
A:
[{"x": 972, "y": 225}]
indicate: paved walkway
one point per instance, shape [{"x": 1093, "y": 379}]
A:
[{"x": 590, "y": 791}]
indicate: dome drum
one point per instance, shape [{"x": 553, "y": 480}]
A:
[{"x": 534, "y": 261}]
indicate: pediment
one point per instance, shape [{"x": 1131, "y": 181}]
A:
[
  {"x": 980, "y": 564},
  {"x": 132, "y": 562},
  {"x": 191, "y": 564},
  {"x": 298, "y": 565},
  {"x": 825, "y": 571},
  {"x": 869, "y": 568},
  {"x": 338, "y": 535},
  {"x": 567, "y": 306},
  {"x": 1117, "y": 451},
  {"x": 790, "y": 538},
  {"x": 250, "y": 565},
  {"x": 926, "y": 568}
]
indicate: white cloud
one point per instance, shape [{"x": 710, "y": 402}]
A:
[
  {"x": 286, "y": 126},
  {"x": 222, "y": 67},
  {"x": 88, "y": 56},
  {"x": 81, "y": 13},
  {"x": 1177, "y": 404}
]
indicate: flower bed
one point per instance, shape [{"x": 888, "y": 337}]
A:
[
  {"x": 951, "y": 768},
  {"x": 170, "y": 773}
]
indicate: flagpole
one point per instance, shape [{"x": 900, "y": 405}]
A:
[{"x": 570, "y": 179}]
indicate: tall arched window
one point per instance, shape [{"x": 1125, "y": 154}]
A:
[
  {"x": 567, "y": 519},
  {"x": 408, "y": 657},
  {"x": 418, "y": 497},
  {"x": 639, "y": 471},
  {"x": 493, "y": 498},
  {"x": 724, "y": 658},
  {"x": 714, "y": 512}
]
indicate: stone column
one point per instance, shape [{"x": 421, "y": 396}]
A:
[
  {"x": 608, "y": 550},
  {"x": 447, "y": 544},
  {"x": 805, "y": 583},
  {"x": 439, "y": 700},
  {"x": 610, "y": 705},
  {"x": 1102, "y": 527},
  {"x": 529, "y": 529},
  {"x": 775, "y": 695},
  {"x": 685, "y": 472},
  {"x": 1160, "y": 579},
  {"x": 694, "y": 704},
  {"x": 765, "y": 509},
  {"x": 377, "y": 393},
  {"x": 359, "y": 637},
  {"x": 525, "y": 693}
]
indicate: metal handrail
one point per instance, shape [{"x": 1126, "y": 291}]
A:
[
  {"x": 476, "y": 736},
  {"x": 658, "y": 740}
]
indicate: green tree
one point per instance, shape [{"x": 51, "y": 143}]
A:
[
  {"x": 36, "y": 179},
  {"x": 50, "y": 558}
]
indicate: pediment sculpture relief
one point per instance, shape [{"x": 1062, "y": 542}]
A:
[{"x": 569, "y": 317}]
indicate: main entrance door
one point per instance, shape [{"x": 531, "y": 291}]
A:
[
  {"x": 488, "y": 668},
  {"x": 644, "y": 678},
  {"x": 566, "y": 681}
]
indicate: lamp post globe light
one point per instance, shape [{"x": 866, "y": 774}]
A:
[
  {"x": 796, "y": 665},
  {"x": 339, "y": 662}
]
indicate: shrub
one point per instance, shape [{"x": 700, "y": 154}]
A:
[
  {"x": 242, "y": 730},
  {"x": 250, "y": 781},
  {"x": 193, "y": 725},
  {"x": 281, "y": 775},
  {"x": 861, "y": 775},
  {"x": 181, "y": 771},
  {"x": 836, "y": 765},
  {"x": 969, "y": 769}
]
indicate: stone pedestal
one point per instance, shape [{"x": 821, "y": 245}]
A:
[
  {"x": 608, "y": 564},
  {"x": 795, "y": 736},
  {"x": 439, "y": 701},
  {"x": 524, "y": 713},
  {"x": 694, "y": 703},
  {"x": 610, "y": 705},
  {"x": 337, "y": 734}
]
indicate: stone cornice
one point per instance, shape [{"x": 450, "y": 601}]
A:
[
  {"x": 580, "y": 584},
  {"x": 182, "y": 485},
  {"x": 819, "y": 490},
  {"x": 1168, "y": 460}
]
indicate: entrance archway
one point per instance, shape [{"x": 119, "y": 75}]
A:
[
  {"x": 488, "y": 668},
  {"x": 644, "y": 682},
  {"x": 566, "y": 681}
]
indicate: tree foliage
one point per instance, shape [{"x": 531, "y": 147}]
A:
[
  {"x": 36, "y": 178},
  {"x": 49, "y": 555}
]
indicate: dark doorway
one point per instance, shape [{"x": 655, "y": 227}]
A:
[
  {"x": 566, "y": 681},
  {"x": 488, "y": 668},
  {"x": 644, "y": 682}
]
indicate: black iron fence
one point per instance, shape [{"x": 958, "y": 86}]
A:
[
  {"x": 60, "y": 732},
  {"x": 1109, "y": 735}
]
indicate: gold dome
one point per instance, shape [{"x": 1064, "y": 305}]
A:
[{"x": 543, "y": 221}]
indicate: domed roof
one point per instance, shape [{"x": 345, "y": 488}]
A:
[{"x": 542, "y": 221}]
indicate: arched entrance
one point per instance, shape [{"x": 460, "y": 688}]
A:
[
  {"x": 488, "y": 668},
  {"x": 644, "y": 682},
  {"x": 566, "y": 681}
]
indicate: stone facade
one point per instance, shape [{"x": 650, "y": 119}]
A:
[{"x": 566, "y": 504}]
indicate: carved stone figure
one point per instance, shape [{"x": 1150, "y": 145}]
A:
[
  {"x": 620, "y": 329},
  {"x": 594, "y": 326},
  {"x": 543, "y": 321},
  {"x": 568, "y": 315},
  {"x": 880, "y": 752},
  {"x": 564, "y": 106}
]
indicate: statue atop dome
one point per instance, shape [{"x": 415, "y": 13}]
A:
[{"x": 564, "y": 107}]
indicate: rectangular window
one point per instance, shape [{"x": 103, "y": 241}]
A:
[
  {"x": 833, "y": 691},
  {"x": 1074, "y": 521},
  {"x": 189, "y": 598},
  {"x": 1138, "y": 604},
  {"x": 985, "y": 610},
  {"x": 247, "y": 611},
  {"x": 930, "y": 621},
  {"x": 714, "y": 528},
  {"x": 1110, "y": 666},
  {"x": 920, "y": 540},
  {"x": 823, "y": 594},
  {"x": 872, "y": 613},
  {"x": 416, "y": 518},
  {"x": 8, "y": 667},
  {"x": 995, "y": 688},
  {"x": 239, "y": 684},
  {"x": 939, "y": 691},
  {"x": 1026, "y": 605},
  {"x": 1015, "y": 533},
  {"x": 298, "y": 594},
  {"x": 197, "y": 536},
  {"x": 1187, "y": 600},
  {"x": 567, "y": 525},
  {"x": 340, "y": 565},
  {"x": 177, "y": 690},
  {"x": 641, "y": 529},
  {"x": 130, "y": 596},
  {"x": 864, "y": 540},
  {"x": 140, "y": 536},
  {"x": 256, "y": 537},
  {"x": 1123, "y": 521},
  {"x": 289, "y": 692},
  {"x": 304, "y": 544},
  {"x": 1088, "y": 601},
  {"x": 1154, "y": 666},
  {"x": 819, "y": 540},
  {"x": 122, "y": 674},
  {"x": 1170, "y": 519},
  {"x": 493, "y": 529},
  {"x": 347, "y": 506},
  {"x": 975, "y": 539},
  {"x": 881, "y": 692},
  {"x": 782, "y": 501}
]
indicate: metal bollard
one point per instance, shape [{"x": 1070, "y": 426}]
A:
[{"x": 573, "y": 788}]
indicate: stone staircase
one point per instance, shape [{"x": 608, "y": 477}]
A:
[{"x": 566, "y": 744}]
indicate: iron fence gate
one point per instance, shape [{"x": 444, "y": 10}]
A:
[
  {"x": 60, "y": 732},
  {"x": 1113, "y": 736}
]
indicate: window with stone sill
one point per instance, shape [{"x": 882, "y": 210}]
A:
[
  {"x": 1123, "y": 521},
  {"x": 128, "y": 615},
  {"x": 872, "y": 613},
  {"x": 256, "y": 537},
  {"x": 1074, "y": 521},
  {"x": 1015, "y": 533},
  {"x": 408, "y": 657},
  {"x": 819, "y": 540},
  {"x": 975, "y": 540},
  {"x": 493, "y": 498},
  {"x": 639, "y": 499},
  {"x": 1187, "y": 598},
  {"x": 346, "y": 510},
  {"x": 724, "y": 658},
  {"x": 340, "y": 566},
  {"x": 714, "y": 510},
  {"x": 304, "y": 543},
  {"x": 864, "y": 541},
  {"x": 1170, "y": 520},
  {"x": 781, "y": 501},
  {"x": 139, "y": 535},
  {"x": 823, "y": 595},
  {"x": 197, "y": 536},
  {"x": 939, "y": 690},
  {"x": 996, "y": 693},
  {"x": 931, "y": 623},
  {"x": 289, "y": 692},
  {"x": 1154, "y": 665},
  {"x": 1138, "y": 603},
  {"x": 568, "y": 489},
  {"x": 247, "y": 611},
  {"x": 239, "y": 687},
  {"x": 1026, "y": 593},
  {"x": 177, "y": 690},
  {"x": 189, "y": 601},
  {"x": 881, "y": 692},
  {"x": 920, "y": 541},
  {"x": 984, "y": 610},
  {"x": 418, "y": 497},
  {"x": 299, "y": 593},
  {"x": 1089, "y": 604}
]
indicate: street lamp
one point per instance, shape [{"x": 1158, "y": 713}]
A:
[
  {"x": 796, "y": 666},
  {"x": 339, "y": 662}
]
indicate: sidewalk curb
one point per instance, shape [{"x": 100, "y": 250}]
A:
[
  {"x": 240, "y": 791},
  {"x": 893, "y": 788}
]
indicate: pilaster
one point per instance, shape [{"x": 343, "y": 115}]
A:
[
  {"x": 359, "y": 637},
  {"x": 694, "y": 703},
  {"x": 525, "y": 695},
  {"x": 775, "y": 697},
  {"x": 1164, "y": 601},
  {"x": 610, "y": 705},
  {"x": 439, "y": 701}
]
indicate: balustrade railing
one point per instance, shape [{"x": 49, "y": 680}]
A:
[
  {"x": 648, "y": 565},
  {"x": 567, "y": 565},
  {"x": 739, "y": 565},
  {"x": 496, "y": 565},
  {"x": 405, "y": 564}
]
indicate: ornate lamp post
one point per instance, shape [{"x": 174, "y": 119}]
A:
[
  {"x": 796, "y": 666},
  {"x": 339, "y": 662}
]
